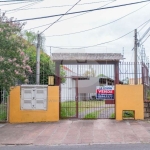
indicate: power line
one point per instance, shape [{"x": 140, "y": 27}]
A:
[
  {"x": 144, "y": 26},
  {"x": 70, "y": 17},
  {"x": 65, "y": 5},
  {"x": 100, "y": 43},
  {"x": 60, "y": 17},
  {"x": 99, "y": 26},
  {"x": 145, "y": 39},
  {"x": 97, "y": 44},
  {"x": 19, "y": 1},
  {"x": 13, "y": 3},
  {"x": 17, "y": 9},
  {"x": 90, "y": 10}
]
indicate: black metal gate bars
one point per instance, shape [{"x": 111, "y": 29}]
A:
[
  {"x": 78, "y": 97},
  {"x": 85, "y": 72}
]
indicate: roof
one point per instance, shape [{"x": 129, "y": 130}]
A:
[
  {"x": 66, "y": 68},
  {"x": 87, "y": 56}
]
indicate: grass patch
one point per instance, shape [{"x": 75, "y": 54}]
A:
[
  {"x": 92, "y": 115},
  {"x": 68, "y": 108},
  {"x": 3, "y": 112},
  {"x": 113, "y": 115},
  {"x": 128, "y": 114},
  {"x": 3, "y": 116}
]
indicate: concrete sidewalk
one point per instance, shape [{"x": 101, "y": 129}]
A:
[{"x": 76, "y": 132}]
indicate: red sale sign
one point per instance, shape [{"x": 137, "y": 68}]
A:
[{"x": 105, "y": 92}]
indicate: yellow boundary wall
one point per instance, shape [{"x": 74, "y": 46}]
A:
[
  {"x": 129, "y": 97},
  {"x": 16, "y": 115}
]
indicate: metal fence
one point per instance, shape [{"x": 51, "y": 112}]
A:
[
  {"x": 78, "y": 93},
  {"x": 74, "y": 101},
  {"x": 127, "y": 76},
  {"x": 127, "y": 73},
  {"x": 3, "y": 105}
]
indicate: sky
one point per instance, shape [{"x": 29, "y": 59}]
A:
[{"x": 84, "y": 22}]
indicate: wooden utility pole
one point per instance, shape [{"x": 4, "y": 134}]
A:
[{"x": 135, "y": 58}]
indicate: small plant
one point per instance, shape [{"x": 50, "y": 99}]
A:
[
  {"x": 128, "y": 114},
  {"x": 3, "y": 116},
  {"x": 113, "y": 115},
  {"x": 92, "y": 115}
]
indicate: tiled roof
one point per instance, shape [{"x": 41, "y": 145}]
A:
[
  {"x": 66, "y": 68},
  {"x": 87, "y": 56}
]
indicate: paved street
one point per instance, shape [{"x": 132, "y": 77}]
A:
[
  {"x": 82, "y": 147},
  {"x": 72, "y": 132}
]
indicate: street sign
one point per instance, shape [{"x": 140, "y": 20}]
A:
[{"x": 105, "y": 92}]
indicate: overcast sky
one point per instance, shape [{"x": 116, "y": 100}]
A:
[{"x": 87, "y": 21}]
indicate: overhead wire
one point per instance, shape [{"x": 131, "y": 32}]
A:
[
  {"x": 28, "y": 5},
  {"x": 144, "y": 26},
  {"x": 100, "y": 25},
  {"x": 16, "y": 3},
  {"x": 100, "y": 43},
  {"x": 145, "y": 40},
  {"x": 90, "y": 10},
  {"x": 70, "y": 17},
  {"x": 65, "y": 5},
  {"x": 60, "y": 17}
]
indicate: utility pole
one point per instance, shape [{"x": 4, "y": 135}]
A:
[
  {"x": 142, "y": 54},
  {"x": 0, "y": 16},
  {"x": 123, "y": 53},
  {"x": 135, "y": 57},
  {"x": 38, "y": 60}
]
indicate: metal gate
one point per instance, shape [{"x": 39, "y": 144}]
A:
[
  {"x": 78, "y": 92},
  {"x": 3, "y": 105}
]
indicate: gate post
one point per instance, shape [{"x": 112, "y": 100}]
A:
[
  {"x": 76, "y": 97},
  {"x": 116, "y": 70},
  {"x": 57, "y": 82},
  {"x": 57, "y": 73}
]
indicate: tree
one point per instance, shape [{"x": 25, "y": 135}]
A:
[
  {"x": 47, "y": 66},
  {"x": 102, "y": 75},
  {"x": 13, "y": 61},
  {"x": 90, "y": 72},
  {"x": 31, "y": 37},
  {"x": 126, "y": 80}
]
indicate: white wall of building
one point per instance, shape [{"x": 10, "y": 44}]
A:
[{"x": 68, "y": 89}]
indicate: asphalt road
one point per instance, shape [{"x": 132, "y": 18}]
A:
[{"x": 81, "y": 147}]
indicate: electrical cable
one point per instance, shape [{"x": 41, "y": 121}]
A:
[
  {"x": 60, "y": 17},
  {"x": 17, "y": 9},
  {"x": 90, "y": 10},
  {"x": 69, "y": 17},
  {"x": 97, "y": 44},
  {"x": 145, "y": 40},
  {"x": 144, "y": 26},
  {"x": 16, "y": 1},
  {"x": 100, "y": 43},
  {"x": 13, "y": 4},
  {"x": 64, "y": 5},
  {"x": 100, "y": 25}
]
